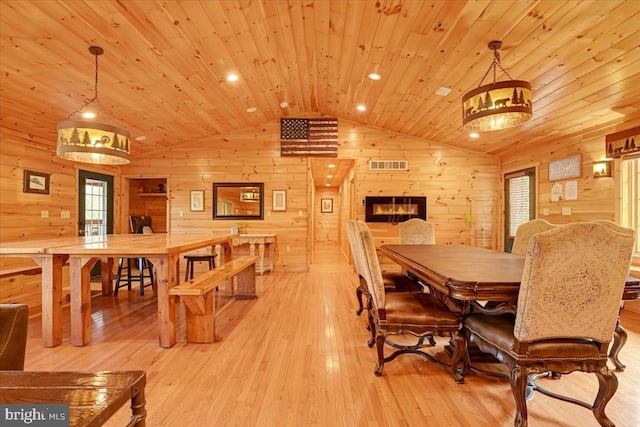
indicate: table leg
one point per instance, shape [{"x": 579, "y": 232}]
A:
[
  {"x": 80, "y": 281},
  {"x": 106, "y": 275},
  {"x": 261, "y": 253},
  {"x": 138, "y": 402},
  {"x": 51, "y": 298},
  {"x": 164, "y": 270}
]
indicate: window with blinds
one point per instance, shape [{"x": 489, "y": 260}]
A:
[{"x": 519, "y": 202}]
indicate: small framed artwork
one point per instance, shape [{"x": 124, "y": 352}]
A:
[
  {"x": 279, "y": 200},
  {"x": 36, "y": 182},
  {"x": 326, "y": 205},
  {"x": 197, "y": 201}
]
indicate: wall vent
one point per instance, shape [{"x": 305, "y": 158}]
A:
[{"x": 388, "y": 165}]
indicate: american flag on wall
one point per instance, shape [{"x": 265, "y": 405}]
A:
[{"x": 309, "y": 137}]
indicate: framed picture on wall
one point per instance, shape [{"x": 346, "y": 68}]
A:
[
  {"x": 326, "y": 205},
  {"x": 279, "y": 200},
  {"x": 197, "y": 201},
  {"x": 35, "y": 182}
]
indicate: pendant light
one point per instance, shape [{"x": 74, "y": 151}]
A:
[
  {"x": 92, "y": 142},
  {"x": 499, "y": 105}
]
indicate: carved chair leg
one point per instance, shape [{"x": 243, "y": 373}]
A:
[
  {"x": 608, "y": 386},
  {"x": 372, "y": 328},
  {"x": 359, "y": 296},
  {"x": 619, "y": 339},
  {"x": 381, "y": 337},
  {"x": 518, "y": 380}
]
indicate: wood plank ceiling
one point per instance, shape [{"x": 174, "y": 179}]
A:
[{"x": 163, "y": 74}]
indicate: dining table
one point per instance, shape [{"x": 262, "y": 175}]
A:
[
  {"x": 163, "y": 250},
  {"x": 482, "y": 280}
]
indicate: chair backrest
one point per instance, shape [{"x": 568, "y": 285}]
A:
[
  {"x": 357, "y": 250},
  {"x": 138, "y": 222},
  {"x": 615, "y": 227},
  {"x": 572, "y": 283},
  {"x": 14, "y": 324},
  {"x": 373, "y": 276},
  {"x": 416, "y": 231},
  {"x": 526, "y": 231}
]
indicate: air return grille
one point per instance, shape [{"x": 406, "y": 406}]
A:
[{"x": 388, "y": 165}]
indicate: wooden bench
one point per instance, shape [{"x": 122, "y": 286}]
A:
[
  {"x": 198, "y": 294},
  {"x": 16, "y": 271}
]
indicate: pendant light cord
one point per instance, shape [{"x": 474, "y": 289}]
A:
[
  {"x": 494, "y": 64},
  {"x": 95, "y": 97}
]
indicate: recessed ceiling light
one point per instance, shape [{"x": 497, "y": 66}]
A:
[
  {"x": 328, "y": 185},
  {"x": 284, "y": 104},
  {"x": 474, "y": 135},
  {"x": 375, "y": 76},
  {"x": 251, "y": 109},
  {"x": 443, "y": 91},
  {"x": 88, "y": 115},
  {"x": 329, "y": 176},
  {"x": 332, "y": 165},
  {"x": 232, "y": 77},
  {"x": 140, "y": 138},
  {"x": 361, "y": 108}
]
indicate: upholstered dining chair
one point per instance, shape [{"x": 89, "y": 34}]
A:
[
  {"x": 615, "y": 227},
  {"x": 572, "y": 284},
  {"x": 14, "y": 323},
  {"x": 404, "y": 313},
  {"x": 416, "y": 231},
  {"x": 393, "y": 281},
  {"x": 526, "y": 231}
]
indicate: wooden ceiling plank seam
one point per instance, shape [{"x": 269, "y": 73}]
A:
[
  {"x": 305, "y": 68},
  {"x": 321, "y": 48},
  {"x": 336, "y": 99}
]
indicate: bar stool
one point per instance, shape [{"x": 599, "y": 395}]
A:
[
  {"x": 143, "y": 264},
  {"x": 188, "y": 272}
]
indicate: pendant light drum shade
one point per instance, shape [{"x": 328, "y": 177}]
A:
[
  {"x": 497, "y": 106},
  {"x": 91, "y": 142}
]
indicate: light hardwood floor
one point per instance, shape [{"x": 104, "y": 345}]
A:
[{"x": 297, "y": 356}]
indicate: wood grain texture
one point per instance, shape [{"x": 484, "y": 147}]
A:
[
  {"x": 297, "y": 355},
  {"x": 163, "y": 74}
]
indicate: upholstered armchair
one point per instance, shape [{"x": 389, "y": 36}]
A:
[
  {"x": 526, "y": 231},
  {"x": 14, "y": 323},
  {"x": 572, "y": 284},
  {"x": 393, "y": 282},
  {"x": 404, "y": 313},
  {"x": 416, "y": 231}
]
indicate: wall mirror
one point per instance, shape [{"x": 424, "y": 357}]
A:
[{"x": 238, "y": 200}]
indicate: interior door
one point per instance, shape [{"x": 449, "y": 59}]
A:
[
  {"x": 95, "y": 210},
  {"x": 520, "y": 202}
]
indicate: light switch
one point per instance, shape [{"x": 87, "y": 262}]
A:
[
  {"x": 545, "y": 211},
  {"x": 44, "y": 214},
  {"x": 181, "y": 213},
  {"x": 566, "y": 210},
  {"x": 65, "y": 214},
  {"x": 299, "y": 213}
]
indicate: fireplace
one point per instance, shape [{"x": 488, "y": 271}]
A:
[{"x": 395, "y": 209}]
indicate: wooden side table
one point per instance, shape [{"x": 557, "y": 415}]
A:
[
  {"x": 261, "y": 240},
  {"x": 93, "y": 397}
]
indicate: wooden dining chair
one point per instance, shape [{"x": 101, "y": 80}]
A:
[
  {"x": 404, "y": 313},
  {"x": 416, "y": 231},
  {"x": 526, "y": 231},
  {"x": 393, "y": 281},
  {"x": 572, "y": 284}
]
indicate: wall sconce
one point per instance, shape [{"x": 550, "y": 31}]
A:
[{"x": 602, "y": 169}]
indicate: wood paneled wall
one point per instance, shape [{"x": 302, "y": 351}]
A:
[
  {"x": 456, "y": 182},
  {"x": 596, "y": 196},
  {"x": 21, "y": 213}
]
